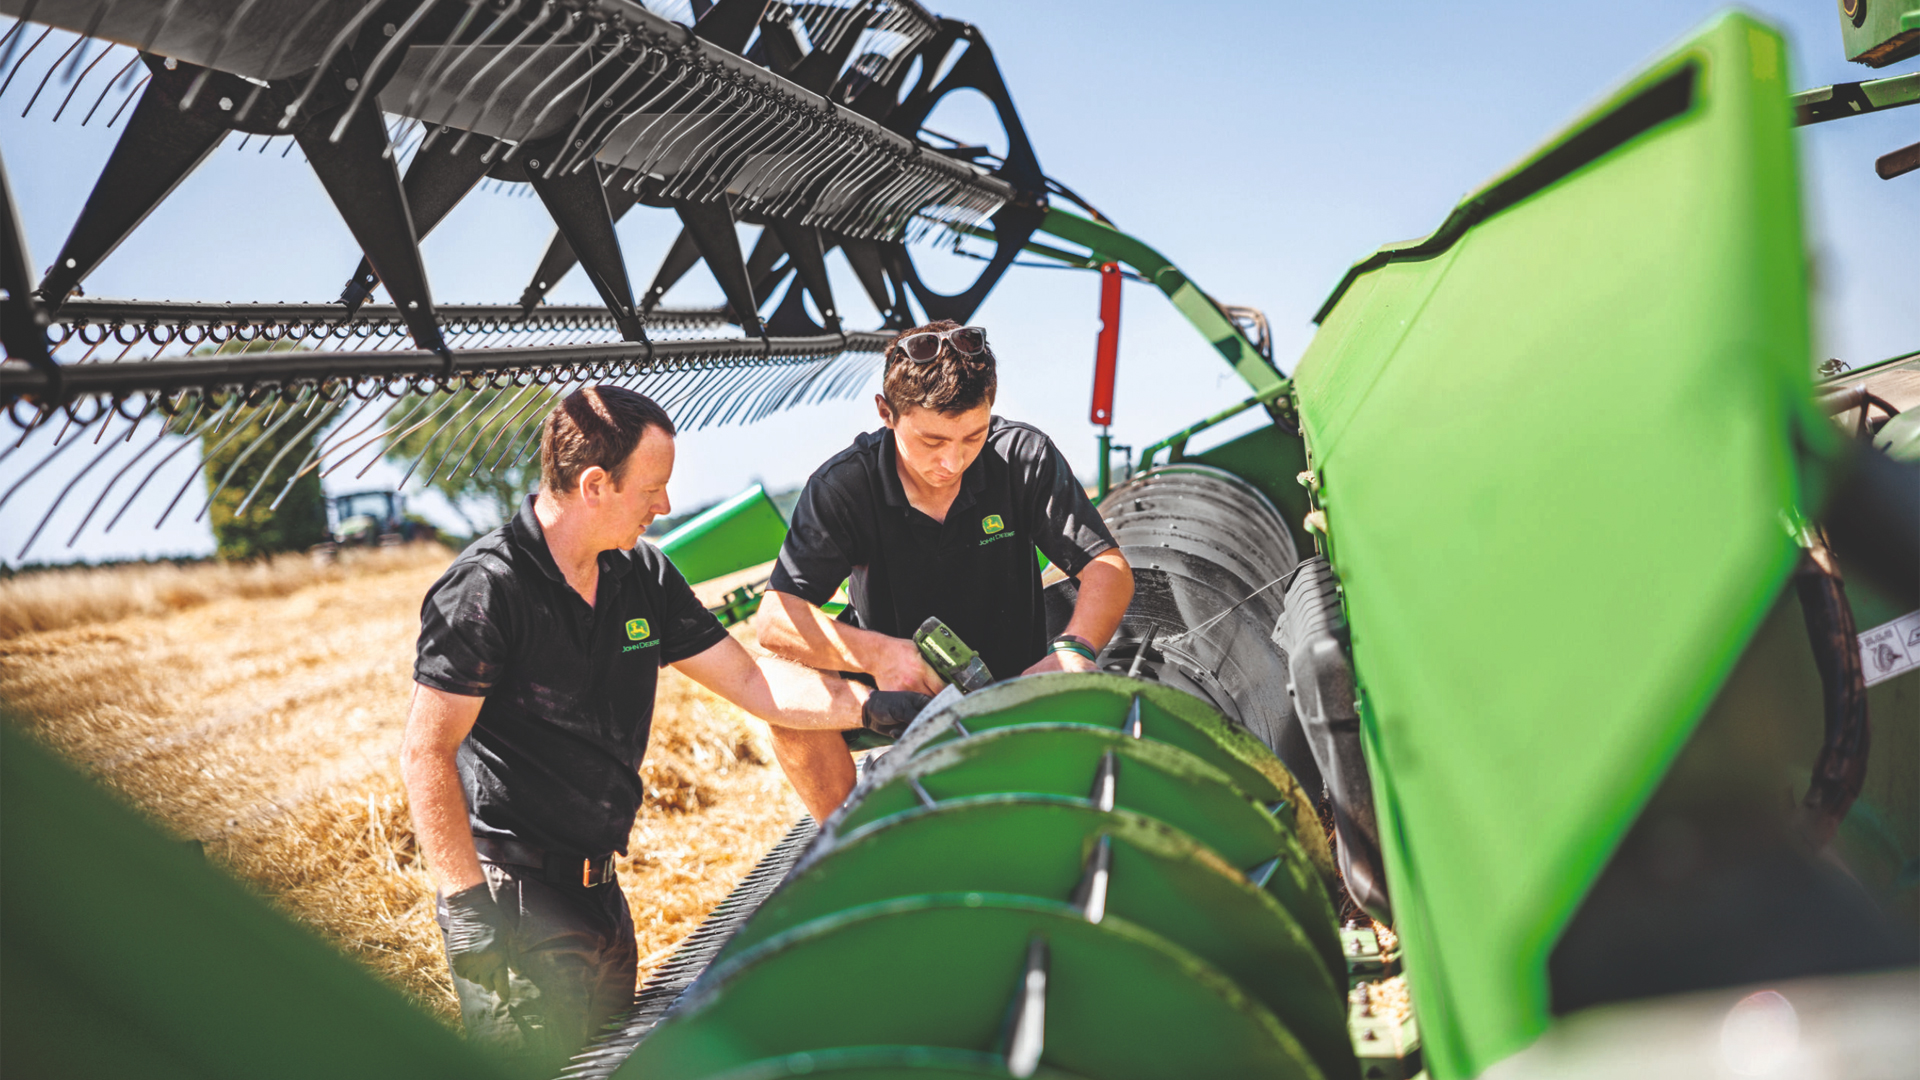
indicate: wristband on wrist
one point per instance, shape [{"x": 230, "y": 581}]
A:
[{"x": 1072, "y": 644}]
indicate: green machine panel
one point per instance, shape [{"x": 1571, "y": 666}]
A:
[
  {"x": 745, "y": 530},
  {"x": 1555, "y": 445},
  {"x": 127, "y": 954}
]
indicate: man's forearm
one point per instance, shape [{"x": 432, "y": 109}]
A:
[
  {"x": 1106, "y": 588},
  {"x": 799, "y": 697},
  {"x": 781, "y": 693},
  {"x": 440, "y": 818},
  {"x": 799, "y": 631}
]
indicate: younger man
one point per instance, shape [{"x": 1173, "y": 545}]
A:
[{"x": 937, "y": 513}]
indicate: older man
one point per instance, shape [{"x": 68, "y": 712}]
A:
[{"x": 540, "y": 649}]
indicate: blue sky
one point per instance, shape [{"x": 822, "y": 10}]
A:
[{"x": 1262, "y": 146}]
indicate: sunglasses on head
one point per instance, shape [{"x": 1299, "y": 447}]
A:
[{"x": 921, "y": 348}]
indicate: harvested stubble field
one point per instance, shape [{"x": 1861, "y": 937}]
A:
[{"x": 259, "y": 710}]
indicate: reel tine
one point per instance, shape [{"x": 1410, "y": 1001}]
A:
[
  {"x": 75, "y": 88},
  {"x": 504, "y": 428},
  {"x": 527, "y": 31},
  {"x": 300, "y": 437},
  {"x": 432, "y": 74},
  {"x": 566, "y": 25},
  {"x": 59, "y": 448},
  {"x": 480, "y": 419},
  {"x": 390, "y": 438},
  {"x": 67, "y": 489},
  {"x": 227, "y": 28},
  {"x": 129, "y": 99},
  {"x": 394, "y": 444},
  {"x": 372, "y": 75},
  {"x": 346, "y": 33},
  {"x": 219, "y": 422},
  {"x": 14, "y": 39},
  {"x": 44, "y": 79},
  {"x": 189, "y": 440},
  {"x": 580, "y": 50},
  {"x": 253, "y": 445},
  {"x": 101, "y": 499}
]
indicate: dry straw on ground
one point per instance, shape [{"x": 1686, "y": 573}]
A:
[
  {"x": 266, "y": 723},
  {"x": 57, "y": 599}
]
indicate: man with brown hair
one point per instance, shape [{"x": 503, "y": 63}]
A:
[
  {"x": 937, "y": 513},
  {"x": 539, "y": 652}
]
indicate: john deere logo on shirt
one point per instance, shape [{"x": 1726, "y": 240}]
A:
[
  {"x": 637, "y": 630},
  {"x": 995, "y": 529}
]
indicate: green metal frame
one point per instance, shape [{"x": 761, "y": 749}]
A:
[
  {"x": 1176, "y": 443},
  {"x": 1161, "y": 865},
  {"x": 1500, "y": 451}
]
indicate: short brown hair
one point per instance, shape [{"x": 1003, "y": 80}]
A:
[
  {"x": 595, "y": 425},
  {"x": 949, "y": 383}
]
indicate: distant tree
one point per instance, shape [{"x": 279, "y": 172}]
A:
[{"x": 478, "y": 448}]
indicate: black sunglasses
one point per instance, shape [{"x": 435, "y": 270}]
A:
[{"x": 921, "y": 348}]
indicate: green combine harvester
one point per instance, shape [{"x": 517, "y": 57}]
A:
[{"x": 1553, "y": 644}]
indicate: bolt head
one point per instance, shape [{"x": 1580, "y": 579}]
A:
[
  {"x": 171, "y": 64},
  {"x": 389, "y": 29},
  {"x": 353, "y": 84},
  {"x": 226, "y": 104},
  {"x": 533, "y": 163}
]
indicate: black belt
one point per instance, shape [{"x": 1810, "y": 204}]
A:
[{"x": 583, "y": 870}]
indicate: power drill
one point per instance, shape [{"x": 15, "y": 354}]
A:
[{"x": 949, "y": 657}]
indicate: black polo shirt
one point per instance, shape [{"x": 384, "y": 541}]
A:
[
  {"x": 976, "y": 571},
  {"x": 554, "y": 758}
]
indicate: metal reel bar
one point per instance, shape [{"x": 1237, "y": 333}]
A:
[{"x": 298, "y": 366}]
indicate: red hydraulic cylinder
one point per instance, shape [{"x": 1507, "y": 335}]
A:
[{"x": 1107, "y": 353}]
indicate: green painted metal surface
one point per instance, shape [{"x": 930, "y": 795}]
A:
[
  {"x": 127, "y": 955},
  {"x": 1886, "y": 32},
  {"x": 1164, "y": 881},
  {"x": 1164, "y": 783},
  {"x": 743, "y": 531},
  {"x": 1104, "y": 701},
  {"x": 938, "y": 970},
  {"x": 1555, "y": 446},
  {"x": 905, "y": 940}
]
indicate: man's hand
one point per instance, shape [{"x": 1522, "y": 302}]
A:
[
  {"x": 477, "y": 939},
  {"x": 898, "y": 665},
  {"x": 888, "y": 712},
  {"x": 1062, "y": 661}
]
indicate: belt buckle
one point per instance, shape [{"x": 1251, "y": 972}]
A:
[{"x": 588, "y": 866}]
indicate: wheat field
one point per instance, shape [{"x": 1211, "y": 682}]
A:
[{"x": 259, "y": 710}]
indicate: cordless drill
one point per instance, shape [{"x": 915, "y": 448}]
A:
[{"x": 949, "y": 657}]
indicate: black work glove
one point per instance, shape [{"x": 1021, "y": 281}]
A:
[
  {"x": 477, "y": 938},
  {"x": 888, "y": 712}
]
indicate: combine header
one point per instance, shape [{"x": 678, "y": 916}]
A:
[{"x": 1529, "y": 626}]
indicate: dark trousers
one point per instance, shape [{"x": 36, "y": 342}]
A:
[{"x": 573, "y": 962}]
